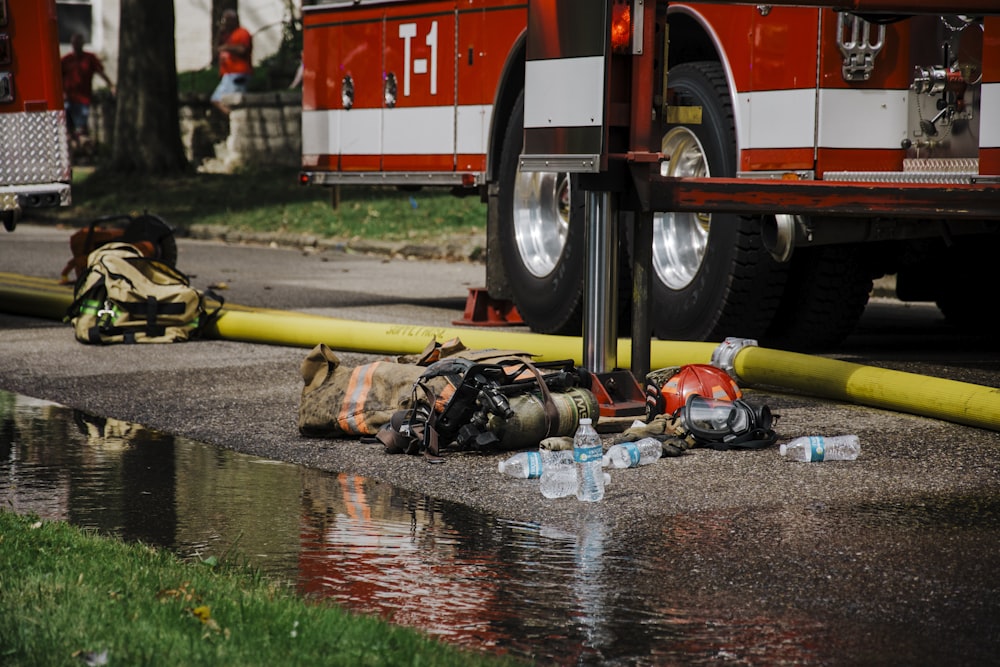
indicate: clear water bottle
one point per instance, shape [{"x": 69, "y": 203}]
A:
[
  {"x": 822, "y": 448},
  {"x": 633, "y": 454},
  {"x": 558, "y": 473},
  {"x": 524, "y": 465},
  {"x": 562, "y": 482},
  {"x": 587, "y": 453}
]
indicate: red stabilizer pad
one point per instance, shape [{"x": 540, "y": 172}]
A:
[
  {"x": 618, "y": 394},
  {"x": 481, "y": 310}
]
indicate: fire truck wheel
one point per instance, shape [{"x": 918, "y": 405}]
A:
[
  {"x": 825, "y": 295},
  {"x": 959, "y": 270},
  {"x": 541, "y": 235},
  {"x": 712, "y": 277}
]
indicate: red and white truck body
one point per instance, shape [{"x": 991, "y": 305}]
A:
[
  {"x": 454, "y": 92},
  {"x": 34, "y": 153},
  {"x": 437, "y": 130}
]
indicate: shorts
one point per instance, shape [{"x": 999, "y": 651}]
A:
[
  {"x": 231, "y": 84},
  {"x": 77, "y": 115}
]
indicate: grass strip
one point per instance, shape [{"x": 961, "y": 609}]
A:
[
  {"x": 272, "y": 200},
  {"x": 71, "y": 597}
]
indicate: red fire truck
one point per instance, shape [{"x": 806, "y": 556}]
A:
[
  {"x": 787, "y": 154},
  {"x": 34, "y": 154}
]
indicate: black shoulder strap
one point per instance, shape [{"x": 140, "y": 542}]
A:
[
  {"x": 758, "y": 438},
  {"x": 392, "y": 437},
  {"x": 208, "y": 317},
  {"x": 409, "y": 432},
  {"x": 430, "y": 445}
]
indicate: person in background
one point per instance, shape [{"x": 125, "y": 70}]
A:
[
  {"x": 78, "y": 70},
  {"x": 235, "y": 48}
]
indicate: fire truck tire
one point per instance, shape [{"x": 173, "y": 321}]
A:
[
  {"x": 825, "y": 295},
  {"x": 959, "y": 269},
  {"x": 541, "y": 234},
  {"x": 712, "y": 277}
]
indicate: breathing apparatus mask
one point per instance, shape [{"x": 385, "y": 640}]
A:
[{"x": 722, "y": 424}]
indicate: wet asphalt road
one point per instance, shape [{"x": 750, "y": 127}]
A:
[{"x": 898, "y": 549}]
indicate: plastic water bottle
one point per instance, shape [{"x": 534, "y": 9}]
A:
[
  {"x": 558, "y": 473},
  {"x": 821, "y": 448},
  {"x": 588, "y": 452},
  {"x": 633, "y": 454},
  {"x": 524, "y": 465},
  {"x": 561, "y": 482}
]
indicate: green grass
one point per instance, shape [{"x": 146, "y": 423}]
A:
[
  {"x": 272, "y": 200},
  {"x": 69, "y": 597}
]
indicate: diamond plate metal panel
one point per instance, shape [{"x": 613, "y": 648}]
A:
[
  {"x": 33, "y": 148},
  {"x": 946, "y": 171}
]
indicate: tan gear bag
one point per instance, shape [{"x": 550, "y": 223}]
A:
[{"x": 124, "y": 297}]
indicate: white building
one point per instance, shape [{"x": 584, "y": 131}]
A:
[{"x": 193, "y": 29}]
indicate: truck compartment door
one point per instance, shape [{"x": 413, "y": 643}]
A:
[
  {"x": 342, "y": 89},
  {"x": 418, "y": 112}
]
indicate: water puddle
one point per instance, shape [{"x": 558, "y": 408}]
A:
[{"x": 737, "y": 588}]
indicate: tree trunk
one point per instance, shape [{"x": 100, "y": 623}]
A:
[{"x": 147, "y": 125}]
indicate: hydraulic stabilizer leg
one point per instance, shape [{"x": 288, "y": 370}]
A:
[
  {"x": 600, "y": 323},
  {"x": 617, "y": 392},
  {"x": 642, "y": 266}
]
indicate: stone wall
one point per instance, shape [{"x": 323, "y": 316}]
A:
[
  {"x": 266, "y": 128},
  {"x": 262, "y": 129}
]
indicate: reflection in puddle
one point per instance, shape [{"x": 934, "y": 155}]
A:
[{"x": 687, "y": 591}]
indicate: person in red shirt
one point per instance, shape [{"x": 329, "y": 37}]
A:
[
  {"x": 235, "y": 47},
  {"x": 78, "y": 70}
]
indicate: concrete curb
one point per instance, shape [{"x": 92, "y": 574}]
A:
[{"x": 454, "y": 248}]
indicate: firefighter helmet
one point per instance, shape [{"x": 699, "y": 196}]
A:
[{"x": 667, "y": 389}]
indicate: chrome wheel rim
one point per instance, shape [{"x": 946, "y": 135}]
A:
[
  {"x": 541, "y": 219},
  {"x": 681, "y": 239}
]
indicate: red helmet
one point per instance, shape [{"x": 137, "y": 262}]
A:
[{"x": 667, "y": 389}]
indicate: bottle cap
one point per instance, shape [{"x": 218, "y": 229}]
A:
[
  {"x": 585, "y": 420},
  {"x": 782, "y": 449}
]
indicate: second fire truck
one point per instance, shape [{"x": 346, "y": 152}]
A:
[
  {"x": 432, "y": 93},
  {"x": 34, "y": 153}
]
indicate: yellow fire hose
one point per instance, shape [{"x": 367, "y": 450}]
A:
[
  {"x": 949, "y": 400},
  {"x": 48, "y": 299}
]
